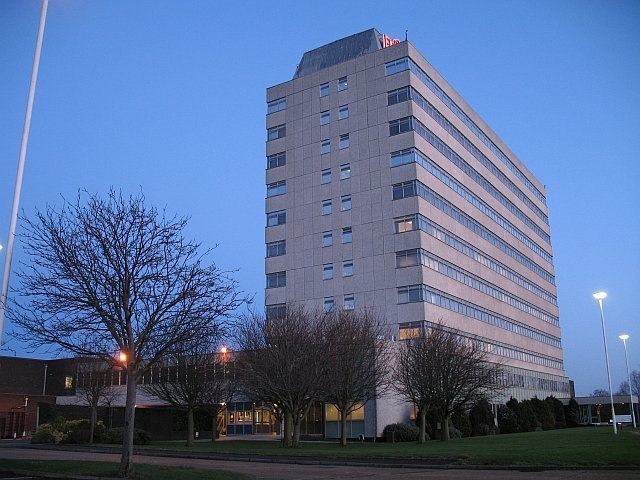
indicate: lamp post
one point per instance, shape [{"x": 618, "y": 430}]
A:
[
  {"x": 624, "y": 339},
  {"x": 599, "y": 296},
  {"x": 21, "y": 160}
]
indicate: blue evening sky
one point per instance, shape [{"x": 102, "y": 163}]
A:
[{"x": 169, "y": 96}]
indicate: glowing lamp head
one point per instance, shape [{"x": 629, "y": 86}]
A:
[
  {"x": 624, "y": 337},
  {"x": 223, "y": 350},
  {"x": 600, "y": 295},
  {"x": 122, "y": 357}
]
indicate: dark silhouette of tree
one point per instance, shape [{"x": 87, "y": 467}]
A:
[
  {"x": 198, "y": 380},
  {"x": 281, "y": 360},
  {"x": 635, "y": 384},
  {"x": 572, "y": 413},
  {"x": 119, "y": 276},
  {"x": 600, "y": 392},
  {"x": 444, "y": 372},
  {"x": 358, "y": 360}
]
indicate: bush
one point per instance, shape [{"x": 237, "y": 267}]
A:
[
  {"x": 543, "y": 413},
  {"x": 508, "y": 420},
  {"x": 115, "y": 435},
  {"x": 403, "y": 432},
  {"x": 572, "y": 413},
  {"x": 461, "y": 423},
  {"x": 481, "y": 418},
  {"x": 557, "y": 409},
  {"x": 46, "y": 434},
  {"x": 527, "y": 420}
]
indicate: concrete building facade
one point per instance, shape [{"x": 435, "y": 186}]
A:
[{"x": 385, "y": 190}]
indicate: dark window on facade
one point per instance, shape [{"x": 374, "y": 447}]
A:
[
  {"x": 274, "y": 133},
  {"x": 275, "y": 249},
  {"x": 277, "y": 160},
  {"x": 276, "y": 279}
]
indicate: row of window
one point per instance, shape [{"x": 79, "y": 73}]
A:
[
  {"x": 419, "y": 256},
  {"x": 325, "y": 145},
  {"x": 408, "y": 64},
  {"x": 407, "y": 93},
  {"x": 346, "y": 236},
  {"x": 533, "y": 380},
  {"x": 423, "y": 293},
  {"x": 345, "y": 172},
  {"x": 345, "y": 204},
  {"x": 342, "y": 85},
  {"x": 419, "y": 222},
  {"x": 279, "y": 247},
  {"x": 410, "y": 330},
  {"x": 325, "y": 117},
  {"x": 347, "y": 269},
  {"x": 457, "y": 160},
  {"x": 413, "y": 155},
  {"x": 280, "y": 187},
  {"x": 416, "y": 188},
  {"x": 348, "y": 302}
]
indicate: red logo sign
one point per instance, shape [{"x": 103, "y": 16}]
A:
[{"x": 387, "y": 41}]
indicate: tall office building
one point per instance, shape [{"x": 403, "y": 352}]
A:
[{"x": 386, "y": 190}]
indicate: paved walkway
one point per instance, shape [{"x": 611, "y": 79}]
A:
[{"x": 267, "y": 469}]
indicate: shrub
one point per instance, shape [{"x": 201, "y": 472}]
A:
[
  {"x": 572, "y": 413},
  {"x": 403, "y": 432},
  {"x": 461, "y": 422},
  {"x": 115, "y": 435},
  {"x": 46, "y": 434},
  {"x": 557, "y": 409},
  {"x": 543, "y": 413},
  {"x": 508, "y": 420},
  {"x": 527, "y": 420},
  {"x": 481, "y": 418}
]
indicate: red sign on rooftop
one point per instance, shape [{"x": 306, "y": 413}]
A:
[{"x": 387, "y": 41}]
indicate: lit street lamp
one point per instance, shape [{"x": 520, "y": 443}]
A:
[
  {"x": 624, "y": 339},
  {"x": 601, "y": 296}
]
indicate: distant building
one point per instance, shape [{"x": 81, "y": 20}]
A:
[
  {"x": 26, "y": 386},
  {"x": 386, "y": 190}
]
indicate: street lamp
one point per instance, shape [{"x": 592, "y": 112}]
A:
[
  {"x": 624, "y": 339},
  {"x": 601, "y": 296}
]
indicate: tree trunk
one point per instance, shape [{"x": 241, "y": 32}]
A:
[
  {"x": 422, "y": 438},
  {"x": 126, "y": 461},
  {"x": 93, "y": 421},
  {"x": 288, "y": 420},
  {"x": 343, "y": 429},
  {"x": 296, "y": 433},
  {"x": 445, "y": 428},
  {"x": 190, "y": 428}
]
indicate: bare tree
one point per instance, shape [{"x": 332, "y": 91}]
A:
[
  {"x": 119, "y": 275},
  {"x": 94, "y": 387},
  {"x": 220, "y": 386},
  {"x": 635, "y": 385},
  {"x": 199, "y": 383},
  {"x": 357, "y": 357},
  {"x": 443, "y": 372},
  {"x": 281, "y": 361}
]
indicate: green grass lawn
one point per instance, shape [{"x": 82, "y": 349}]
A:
[
  {"x": 109, "y": 469},
  {"x": 589, "y": 446}
]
